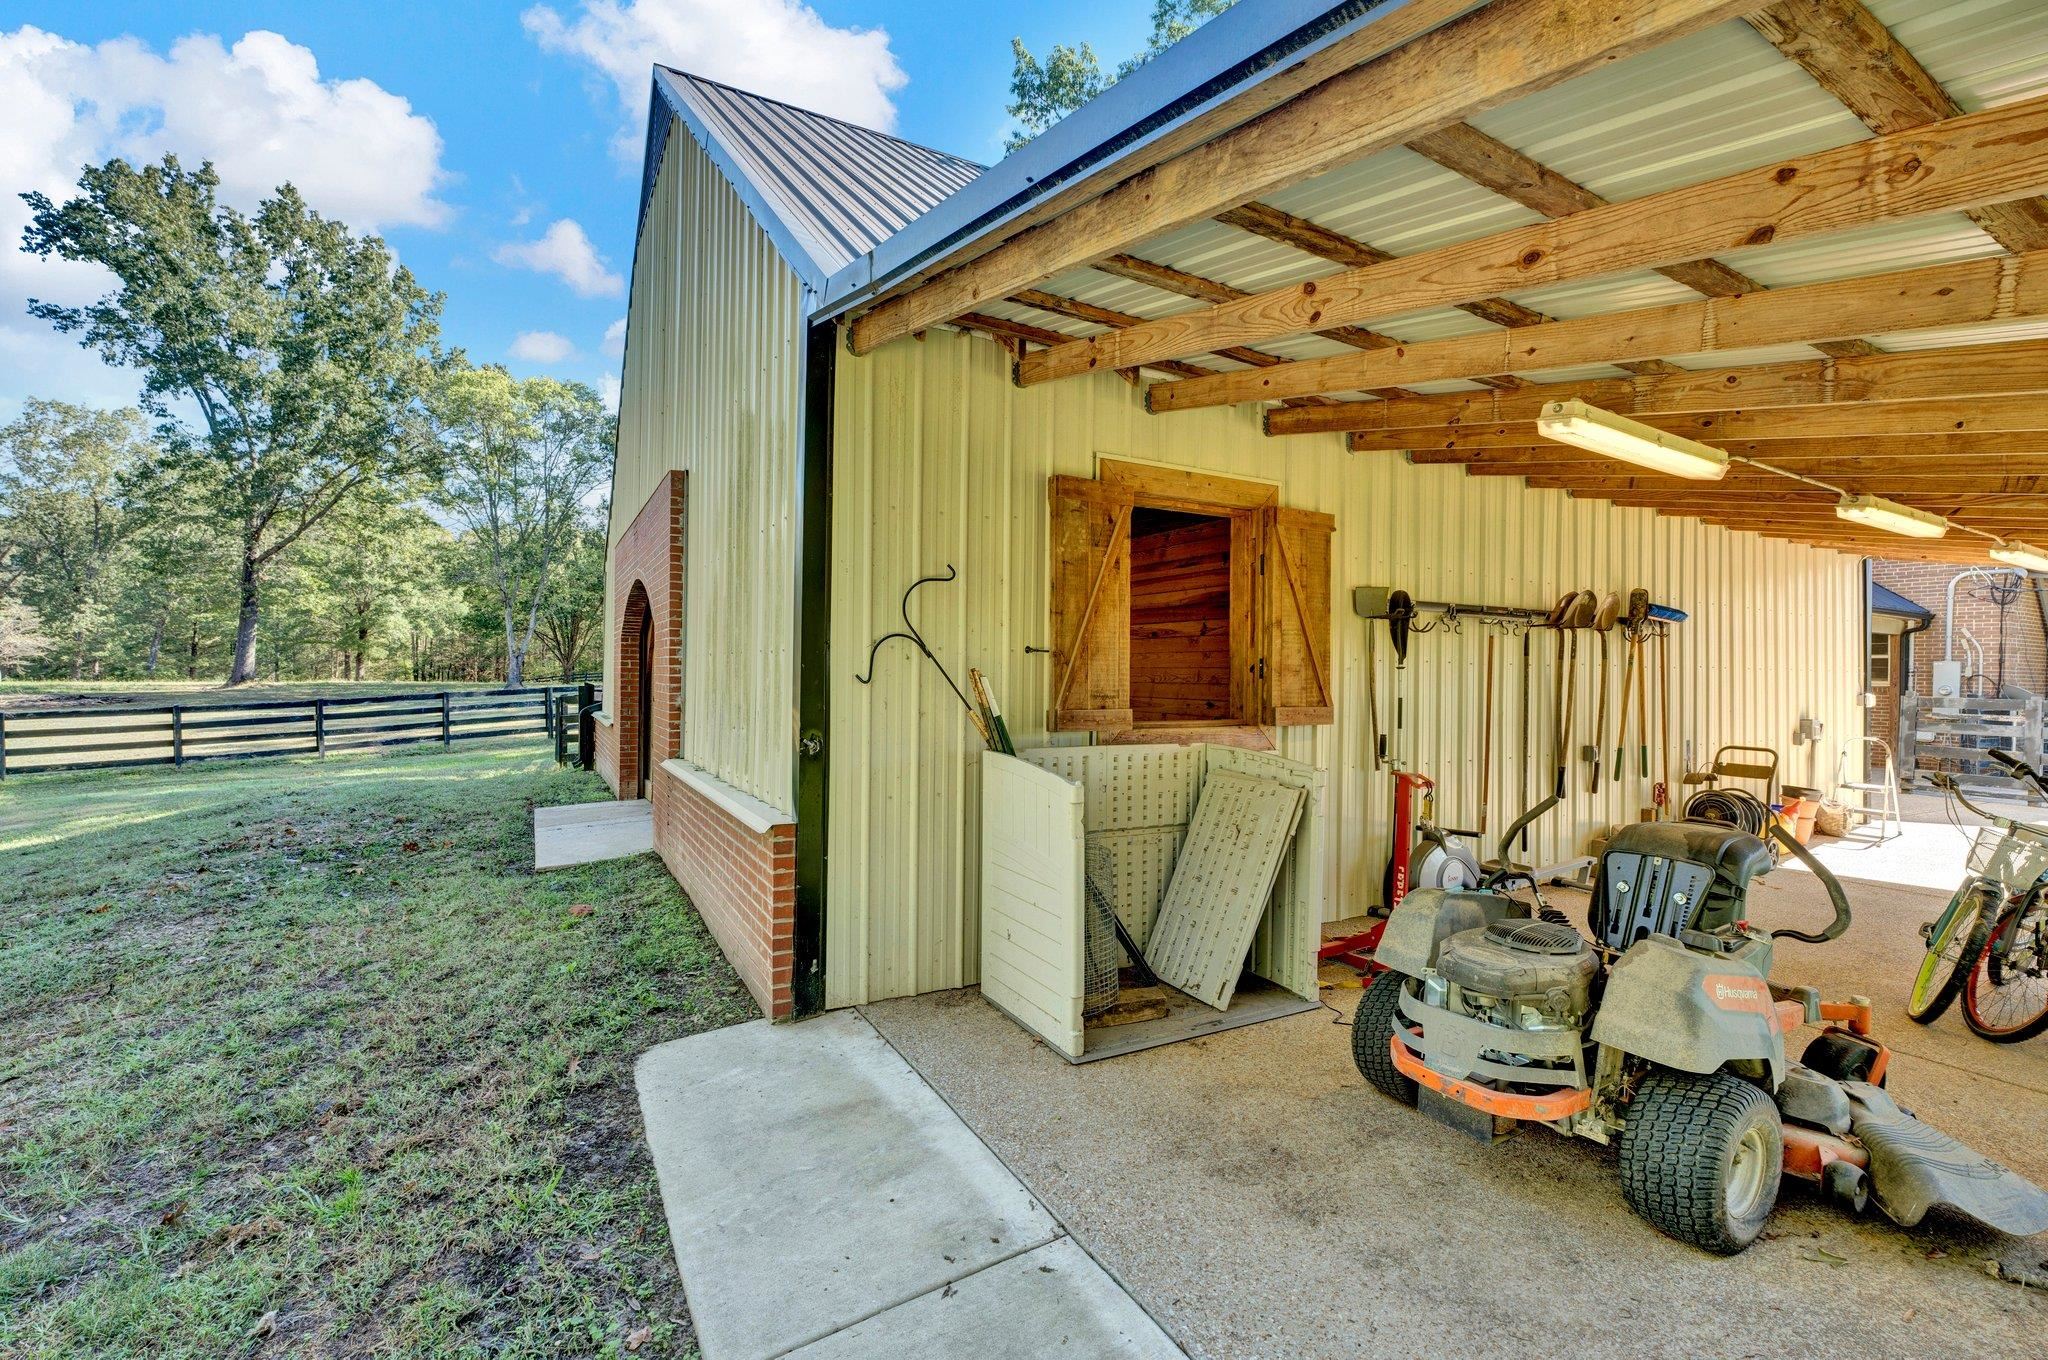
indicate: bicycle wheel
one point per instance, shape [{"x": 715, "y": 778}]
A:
[
  {"x": 2005, "y": 996},
  {"x": 1949, "y": 950}
]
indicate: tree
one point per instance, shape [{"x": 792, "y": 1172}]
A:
[
  {"x": 574, "y": 615},
  {"x": 521, "y": 455},
  {"x": 63, "y": 493},
  {"x": 1042, "y": 93},
  {"x": 21, "y": 636},
  {"x": 304, "y": 348}
]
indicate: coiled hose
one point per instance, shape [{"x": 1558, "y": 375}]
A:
[{"x": 1730, "y": 807}]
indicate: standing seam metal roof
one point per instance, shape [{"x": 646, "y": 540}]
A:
[{"x": 839, "y": 189}]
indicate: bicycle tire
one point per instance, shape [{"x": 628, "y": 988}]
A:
[
  {"x": 1983, "y": 966},
  {"x": 1935, "y": 990}
]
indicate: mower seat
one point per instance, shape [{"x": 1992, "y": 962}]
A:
[{"x": 1660, "y": 878}]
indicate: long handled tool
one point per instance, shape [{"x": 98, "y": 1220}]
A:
[
  {"x": 1559, "y": 620},
  {"x": 1372, "y": 693},
  {"x": 1664, "y": 785},
  {"x": 1584, "y": 609},
  {"x": 1638, "y": 627},
  {"x": 1486, "y": 734},
  {"x": 1603, "y": 623},
  {"x": 1528, "y": 738},
  {"x": 1400, "y": 620}
]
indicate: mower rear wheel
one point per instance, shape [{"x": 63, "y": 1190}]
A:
[
  {"x": 1701, "y": 1158},
  {"x": 1372, "y": 1030}
]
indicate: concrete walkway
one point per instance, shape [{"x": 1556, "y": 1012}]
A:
[
  {"x": 583, "y": 833},
  {"x": 823, "y": 1201}
]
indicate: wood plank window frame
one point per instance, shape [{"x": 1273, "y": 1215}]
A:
[
  {"x": 1884, "y": 649},
  {"x": 1280, "y": 653}
]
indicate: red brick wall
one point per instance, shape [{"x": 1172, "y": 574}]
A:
[
  {"x": 647, "y": 564},
  {"x": 2014, "y": 632},
  {"x": 742, "y": 882}
]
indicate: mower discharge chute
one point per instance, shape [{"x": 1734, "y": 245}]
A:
[{"x": 1662, "y": 1033}]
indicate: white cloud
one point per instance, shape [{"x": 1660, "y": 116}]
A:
[
  {"x": 778, "y": 48},
  {"x": 564, "y": 251},
  {"x": 615, "y": 338},
  {"x": 541, "y": 347},
  {"x": 608, "y": 391},
  {"x": 259, "y": 110}
]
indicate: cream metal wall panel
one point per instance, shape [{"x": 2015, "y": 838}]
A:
[
  {"x": 940, "y": 460},
  {"x": 713, "y": 386}
]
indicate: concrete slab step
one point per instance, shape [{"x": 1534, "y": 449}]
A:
[
  {"x": 584, "y": 833},
  {"x": 814, "y": 1183}
]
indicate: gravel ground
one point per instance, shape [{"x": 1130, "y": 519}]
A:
[{"x": 1260, "y": 1200}]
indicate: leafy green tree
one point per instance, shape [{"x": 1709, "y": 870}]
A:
[
  {"x": 305, "y": 349},
  {"x": 573, "y": 618},
  {"x": 1042, "y": 93},
  {"x": 63, "y": 470},
  {"x": 21, "y": 636},
  {"x": 521, "y": 457},
  {"x": 362, "y": 565}
]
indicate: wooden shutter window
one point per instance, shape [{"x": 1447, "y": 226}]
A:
[
  {"x": 1299, "y": 687},
  {"x": 1091, "y": 606}
]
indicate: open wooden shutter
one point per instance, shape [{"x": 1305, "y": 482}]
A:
[
  {"x": 1091, "y": 606},
  {"x": 1294, "y": 613}
]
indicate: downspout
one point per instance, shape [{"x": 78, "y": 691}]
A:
[{"x": 813, "y": 687}]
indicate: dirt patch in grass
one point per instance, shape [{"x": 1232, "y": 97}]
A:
[{"x": 311, "y": 1064}]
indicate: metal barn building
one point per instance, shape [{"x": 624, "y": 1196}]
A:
[{"x": 1280, "y": 312}]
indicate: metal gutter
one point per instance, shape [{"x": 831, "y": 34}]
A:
[{"x": 1218, "y": 62}]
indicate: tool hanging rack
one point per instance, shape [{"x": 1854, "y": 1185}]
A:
[{"x": 1372, "y": 602}]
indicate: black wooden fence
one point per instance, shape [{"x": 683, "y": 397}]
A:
[{"x": 33, "y": 741}]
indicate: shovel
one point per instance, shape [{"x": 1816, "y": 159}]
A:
[
  {"x": 1579, "y": 615},
  {"x": 1486, "y": 736},
  {"x": 1638, "y": 617},
  {"x": 1400, "y": 615},
  {"x": 1603, "y": 624}
]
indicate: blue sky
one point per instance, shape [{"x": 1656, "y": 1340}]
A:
[{"x": 493, "y": 144}]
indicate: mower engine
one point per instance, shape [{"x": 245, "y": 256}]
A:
[{"x": 1515, "y": 974}]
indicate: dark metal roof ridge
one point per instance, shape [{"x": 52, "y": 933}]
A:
[{"x": 1218, "y": 61}]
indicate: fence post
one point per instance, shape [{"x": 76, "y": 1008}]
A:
[
  {"x": 547, "y": 709},
  {"x": 586, "y": 726},
  {"x": 177, "y": 736},
  {"x": 3, "y": 746},
  {"x": 446, "y": 736},
  {"x": 320, "y": 726}
]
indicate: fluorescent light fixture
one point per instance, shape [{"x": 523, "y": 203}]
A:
[
  {"x": 1874, "y": 512},
  {"x": 2016, "y": 554},
  {"x": 1603, "y": 432}
]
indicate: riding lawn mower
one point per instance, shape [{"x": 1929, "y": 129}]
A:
[{"x": 1663, "y": 1033}]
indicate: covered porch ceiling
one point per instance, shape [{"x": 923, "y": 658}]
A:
[{"x": 1812, "y": 235}]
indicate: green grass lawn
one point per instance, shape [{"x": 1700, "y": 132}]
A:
[{"x": 301, "y": 1059}]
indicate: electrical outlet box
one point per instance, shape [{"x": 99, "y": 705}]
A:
[
  {"x": 1948, "y": 679},
  {"x": 1867, "y": 699}
]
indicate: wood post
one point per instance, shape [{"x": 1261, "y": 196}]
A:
[
  {"x": 178, "y": 735},
  {"x": 446, "y": 734},
  {"x": 320, "y": 726}
]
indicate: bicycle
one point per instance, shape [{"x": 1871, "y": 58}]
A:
[
  {"x": 1990, "y": 943},
  {"x": 2008, "y": 864}
]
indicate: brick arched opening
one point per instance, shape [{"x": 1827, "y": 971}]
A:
[{"x": 639, "y": 644}]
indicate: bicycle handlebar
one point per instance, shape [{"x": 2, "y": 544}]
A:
[{"x": 2019, "y": 769}]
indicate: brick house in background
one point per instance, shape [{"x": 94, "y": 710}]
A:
[{"x": 2003, "y": 620}]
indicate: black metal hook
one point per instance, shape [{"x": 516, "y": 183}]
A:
[{"x": 910, "y": 634}]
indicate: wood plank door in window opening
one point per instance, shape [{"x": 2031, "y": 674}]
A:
[
  {"x": 1091, "y": 605},
  {"x": 1294, "y": 609},
  {"x": 1181, "y": 659}
]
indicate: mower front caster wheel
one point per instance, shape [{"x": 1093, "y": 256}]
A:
[
  {"x": 1372, "y": 1030},
  {"x": 1701, "y": 1157}
]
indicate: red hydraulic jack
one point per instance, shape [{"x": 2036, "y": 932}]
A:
[{"x": 1413, "y": 794}]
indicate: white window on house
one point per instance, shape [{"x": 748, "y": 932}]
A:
[{"x": 1884, "y": 650}]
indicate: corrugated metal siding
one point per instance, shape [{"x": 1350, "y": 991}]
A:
[
  {"x": 940, "y": 460},
  {"x": 712, "y": 385}
]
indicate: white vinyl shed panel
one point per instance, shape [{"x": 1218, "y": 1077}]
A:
[
  {"x": 939, "y": 459},
  {"x": 1034, "y": 932},
  {"x": 713, "y": 387}
]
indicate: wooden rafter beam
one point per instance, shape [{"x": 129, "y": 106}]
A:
[
  {"x": 1931, "y": 450},
  {"x": 1079, "y": 310},
  {"x": 1980, "y": 158},
  {"x": 1170, "y": 280},
  {"x": 1962, "y": 294},
  {"x": 1860, "y": 62},
  {"x": 1961, "y": 474},
  {"x": 1013, "y": 335},
  {"x": 1962, "y": 415},
  {"x": 1494, "y": 54},
  {"x": 1493, "y": 164},
  {"x": 1959, "y": 371},
  {"x": 2025, "y": 493}
]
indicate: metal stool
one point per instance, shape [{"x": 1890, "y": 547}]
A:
[{"x": 1888, "y": 786}]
